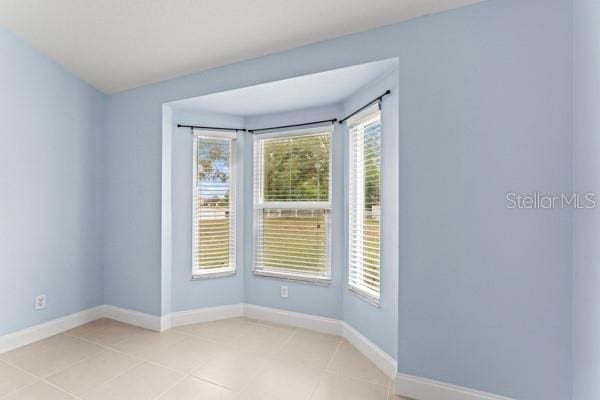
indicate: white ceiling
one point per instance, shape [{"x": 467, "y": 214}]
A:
[
  {"x": 307, "y": 91},
  {"x": 120, "y": 44}
]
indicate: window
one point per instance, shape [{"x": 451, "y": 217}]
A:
[
  {"x": 292, "y": 204},
  {"x": 213, "y": 247},
  {"x": 365, "y": 203}
]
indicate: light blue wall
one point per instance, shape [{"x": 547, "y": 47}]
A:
[
  {"x": 324, "y": 300},
  {"x": 485, "y": 109},
  {"x": 185, "y": 293},
  {"x": 484, "y": 293},
  {"x": 379, "y": 324},
  {"x": 586, "y": 224},
  {"x": 51, "y": 180}
]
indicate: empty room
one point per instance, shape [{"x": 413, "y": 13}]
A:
[{"x": 300, "y": 200}]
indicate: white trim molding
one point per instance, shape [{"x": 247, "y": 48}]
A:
[
  {"x": 35, "y": 333},
  {"x": 418, "y": 388},
  {"x": 374, "y": 353},
  {"x": 206, "y": 314},
  {"x": 32, "y": 334},
  {"x": 143, "y": 320},
  {"x": 405, "y": 385},
  {"x": 300, "y": 320},
  {"x": 153, "y": 322}
]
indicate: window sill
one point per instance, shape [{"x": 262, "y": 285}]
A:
[
  {"x": 372, "y": 300},
  {"x": 213, "y": 275},
  {"x": 315, "y": 280}
]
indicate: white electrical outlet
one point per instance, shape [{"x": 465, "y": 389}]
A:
[
  {"x": 40, "y": 302},
  {"x": 284, "y": 292}
]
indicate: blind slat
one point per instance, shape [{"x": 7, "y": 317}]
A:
[
  {"x": 292, "y": 193},
  {"x": 213, "y": 244},
  {"x": 365, "y": 202}
]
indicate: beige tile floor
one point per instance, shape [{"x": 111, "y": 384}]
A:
[{"x": 233, "y": 359}]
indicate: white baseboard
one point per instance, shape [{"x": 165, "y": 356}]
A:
[
  {"x": 32, "y": 334},
  {"x": 143, "y": 320},
  {"x": 156, "y": 323},
  {"x": 35, "y": 333},
  {"x": 380, "y": 358},
  {"x": 326, "y": 325},
  {"x": 206, "y": 314},
  {"x": 426, "y": 389},
  {"x": 300, "y": 320},
  {"x": 166, "y": 322},
  {"x": 405, "y": 385}
]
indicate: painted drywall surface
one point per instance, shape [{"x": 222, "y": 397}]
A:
[
  {"x": 132, "y": 252},
  {"x": 586, "y": 223},
  {"x": 379, "y": 324},
  {"x": 50, "y": 230},
  {"x": 484, "y": 294},
  {"x": 297, "y": 93},
  {"x": 483, "y": 291},
  {"x": 166, "y": 253},
  {"x": 190, "y": 294},
  {"x": 323, "y": 300}
]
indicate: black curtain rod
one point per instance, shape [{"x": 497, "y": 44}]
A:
[
  {"x": 375, "y": 100},
  {"x": 211, "y": 128},
  {"x": 331, "y": 121},
  {"x": 288, "y": 126}
]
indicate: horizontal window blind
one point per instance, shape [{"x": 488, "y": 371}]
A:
[
  {"x": 365, "y": 202},
  {"x": 292, "y": 190},
  {"x": 293, "y": 240},
  {"x": 295, "y": 168},
  {"x": 213, "y": 244}
]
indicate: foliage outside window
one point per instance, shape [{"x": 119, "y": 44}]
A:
[
  {"x": 213, "y": 242},
  {"x": 292, "y": 205},
  {"x": 365, "y": 203}
]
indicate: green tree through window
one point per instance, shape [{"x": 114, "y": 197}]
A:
[{"x": 297, "y": 169}]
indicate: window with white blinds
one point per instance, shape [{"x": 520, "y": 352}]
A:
[
  {"x": 292, "y": 184},
  {"x": 213, "y": 239},
  {"x": 365, "y": 202}
]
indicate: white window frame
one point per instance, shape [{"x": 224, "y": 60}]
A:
[
  {"x": 203, "y": 273},
  {"x": 260, "y": 204},
  {"x": 369, "y": 115}
]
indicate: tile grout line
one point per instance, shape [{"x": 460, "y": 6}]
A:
[
  {"x": 58, "y": 371},
  {"x": 36, "y": 380},
  {"x": 353, "y": 378},
  {"x": 140, "y": 361},
  {"x": 322, "y": 373},
  {"x": 104, "y": 348},
  {"x": 61, "y": 389},
  {"x": 143, "y": 360},
  {"x": 185, "y": 336},
  {"x": 390, "y": 389},
  {"x": 212, "y": 383},
  {"x": 337, "y": 349},
  {"x": 269, "y": 358},
  {"x": 185, "y": 375},
  {"x": 167, "y": 390}
]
